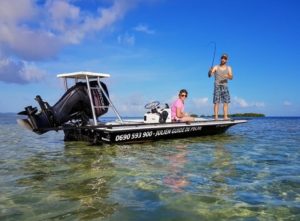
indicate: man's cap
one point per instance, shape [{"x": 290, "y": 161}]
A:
[{"x": 224, "y": 55}]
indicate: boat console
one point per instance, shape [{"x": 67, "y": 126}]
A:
[{"x": 156, "y": 114}]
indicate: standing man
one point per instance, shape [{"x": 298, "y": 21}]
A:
[{"x": 222, "y": 73}]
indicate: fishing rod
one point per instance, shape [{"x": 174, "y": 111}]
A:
[
  {"x": 215, "y": 49},
  {"x": 214, "y": 55}
]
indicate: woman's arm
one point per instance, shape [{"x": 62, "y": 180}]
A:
[{"x": 179, "y": 113}]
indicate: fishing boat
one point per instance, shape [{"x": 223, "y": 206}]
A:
[{"x": 79, "y": 114}]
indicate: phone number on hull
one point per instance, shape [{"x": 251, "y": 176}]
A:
[{"x": 158, "y": 133}]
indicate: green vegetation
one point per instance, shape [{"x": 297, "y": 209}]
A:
[{"x": 247, "y": 115}]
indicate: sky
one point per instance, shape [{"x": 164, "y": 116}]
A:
[{"x": 152, "y": 49}]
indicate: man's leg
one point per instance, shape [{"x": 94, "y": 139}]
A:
[
  {"x": 216, "y": 111},
  {"x": 225, "y": 110}
]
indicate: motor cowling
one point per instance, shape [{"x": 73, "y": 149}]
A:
[{"x": 73, "y": 105}]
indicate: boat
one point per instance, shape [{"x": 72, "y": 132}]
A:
[{"x": 79, "y": 113}]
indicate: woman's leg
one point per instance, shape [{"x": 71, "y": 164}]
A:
[{"x": 187, "y": 119}]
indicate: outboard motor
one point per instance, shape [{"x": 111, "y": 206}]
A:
[{"x": 73, "y": 105}]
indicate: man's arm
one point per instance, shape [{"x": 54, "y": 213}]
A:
[
  {"x": 212, "y": 71},
  {"x": 230, "y": 75}
]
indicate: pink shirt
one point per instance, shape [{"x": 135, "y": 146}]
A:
[{"x": 177, "y": 104}]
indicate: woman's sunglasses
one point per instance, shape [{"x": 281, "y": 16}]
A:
[{"x": 183, "y": 95}]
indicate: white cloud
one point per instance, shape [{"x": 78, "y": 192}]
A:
[
  {"x": 200, "y": 102},
  {"x": 240, "y": 102},
  {"x": 30, "y": 73},
  {"x": 144, "y": 29},
  {"x": 19, "y": 72},
  {"x": 32, "y": 31},
  {"x": 287, "y": 103},
  {"x": 62, "y": 15},
  {"x": 126, "y": 39},
  {"x": 28, "y": 44},
  {"x": 131, "y": 105},
  {"x": 75, "y": 27},
  {"x": 14, "y": 11},
  {"x": 259, "y": 104},
  {"x": 18, "y": 38}
]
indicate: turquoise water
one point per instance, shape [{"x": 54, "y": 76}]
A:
[{"x": 252, "y": 172}]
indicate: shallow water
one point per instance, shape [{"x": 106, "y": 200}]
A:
[{"x": 252, "y": 172}]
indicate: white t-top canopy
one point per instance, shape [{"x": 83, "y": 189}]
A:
[{"x": 83, "y": 74}]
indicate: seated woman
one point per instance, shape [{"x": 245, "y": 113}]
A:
[{"x": 177, "y": 108}]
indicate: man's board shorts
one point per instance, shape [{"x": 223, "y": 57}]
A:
[{"x": 221, "y": 94}]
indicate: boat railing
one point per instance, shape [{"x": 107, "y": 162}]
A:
[{"x": 109, "y": 100}]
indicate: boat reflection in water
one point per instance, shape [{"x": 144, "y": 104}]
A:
[{"x": 176, "y": 179}]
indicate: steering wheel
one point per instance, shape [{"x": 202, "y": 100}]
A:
[{"x": 152, "y": 105}]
